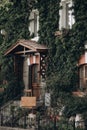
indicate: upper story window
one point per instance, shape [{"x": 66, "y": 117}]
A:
[
  {"x": 34, "y": 23},
  {"x": 66, "y": 16}
]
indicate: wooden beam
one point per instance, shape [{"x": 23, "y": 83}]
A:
[{"x": 23, "y": 52}]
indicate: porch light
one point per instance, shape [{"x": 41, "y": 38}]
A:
[
  {"x": 85, "y": 44},
  {"x": 34, "y": 59},
  {"x": 3, "y": 32},
  {"x": 28, "y": 61}
]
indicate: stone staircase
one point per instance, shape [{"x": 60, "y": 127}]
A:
[
  {"x": 6, "y": 111},
  {"x": 13, "y": 115}
]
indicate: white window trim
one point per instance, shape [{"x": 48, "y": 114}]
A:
[
  {"x": 62, "y": 13},
  {"x": 31, "y": 29}
]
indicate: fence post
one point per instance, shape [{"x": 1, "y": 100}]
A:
[
  {"x": 54, "y": 123},
  {"x": 38, "y": 120},
  {"x": 74, "y": 124},
  {"x": 1, "y": 119},
  {"x": 38, "y": 123},
  {"x": 25, "y": 120}
]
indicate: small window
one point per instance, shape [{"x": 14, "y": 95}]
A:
[
  {"x": 81, "y": 72},
  {"x": 66, "y": 17},
  {"x": 34, "y": 23},
  {"x": 83, "y": 76}
]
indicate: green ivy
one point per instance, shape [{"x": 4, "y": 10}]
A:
[
  {"x": 14, "y": 19},
  {"x": 48, "y": 19},
  {"x": 64, "y": 51},
  {"x": 68, "y": 48}
]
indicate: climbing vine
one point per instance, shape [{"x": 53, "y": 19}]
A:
[
  {"x": 14, "y": 22},
  {"x": 61, "y": 51},
  {"x": 48, "y": 19},
  {"x": 64, "y": 51}
]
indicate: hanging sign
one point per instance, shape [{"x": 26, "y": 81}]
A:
[
  {"x": 28, "y": 102},
  {"x": 47, "y": 99}
]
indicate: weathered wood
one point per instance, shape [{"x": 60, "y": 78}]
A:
[
  {"x": 28, "y": 102},
  {"x": 23, "y": 52}
]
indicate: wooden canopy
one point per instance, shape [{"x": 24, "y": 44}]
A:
[{"x": 25, "y": 46}]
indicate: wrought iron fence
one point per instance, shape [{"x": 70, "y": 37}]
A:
[
  {"x": 27, "y": 119},
  {"x": 51, "y": 123},
  {"x": 38, "y": 119}
]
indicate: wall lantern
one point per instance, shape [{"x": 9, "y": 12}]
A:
[
  {"x": 85, "y": 44},
  {"x": 3, "y": 32}
]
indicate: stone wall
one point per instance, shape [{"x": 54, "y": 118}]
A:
[{"x": 10, "y": 128}]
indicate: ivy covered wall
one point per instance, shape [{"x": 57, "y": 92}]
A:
[
  {"x": 65, "y": 50},
  {"x": 62, "y": 69},
  {"x": 64, "y": 53},
  {"x": 48, "y": 24},
  {"x": 14, "y": 21}
]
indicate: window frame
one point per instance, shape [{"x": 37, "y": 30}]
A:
[
  {"x": 34, "y": 22},
  {"x": 66, "y": 21},
  {"x": 83, "y": 76}
]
